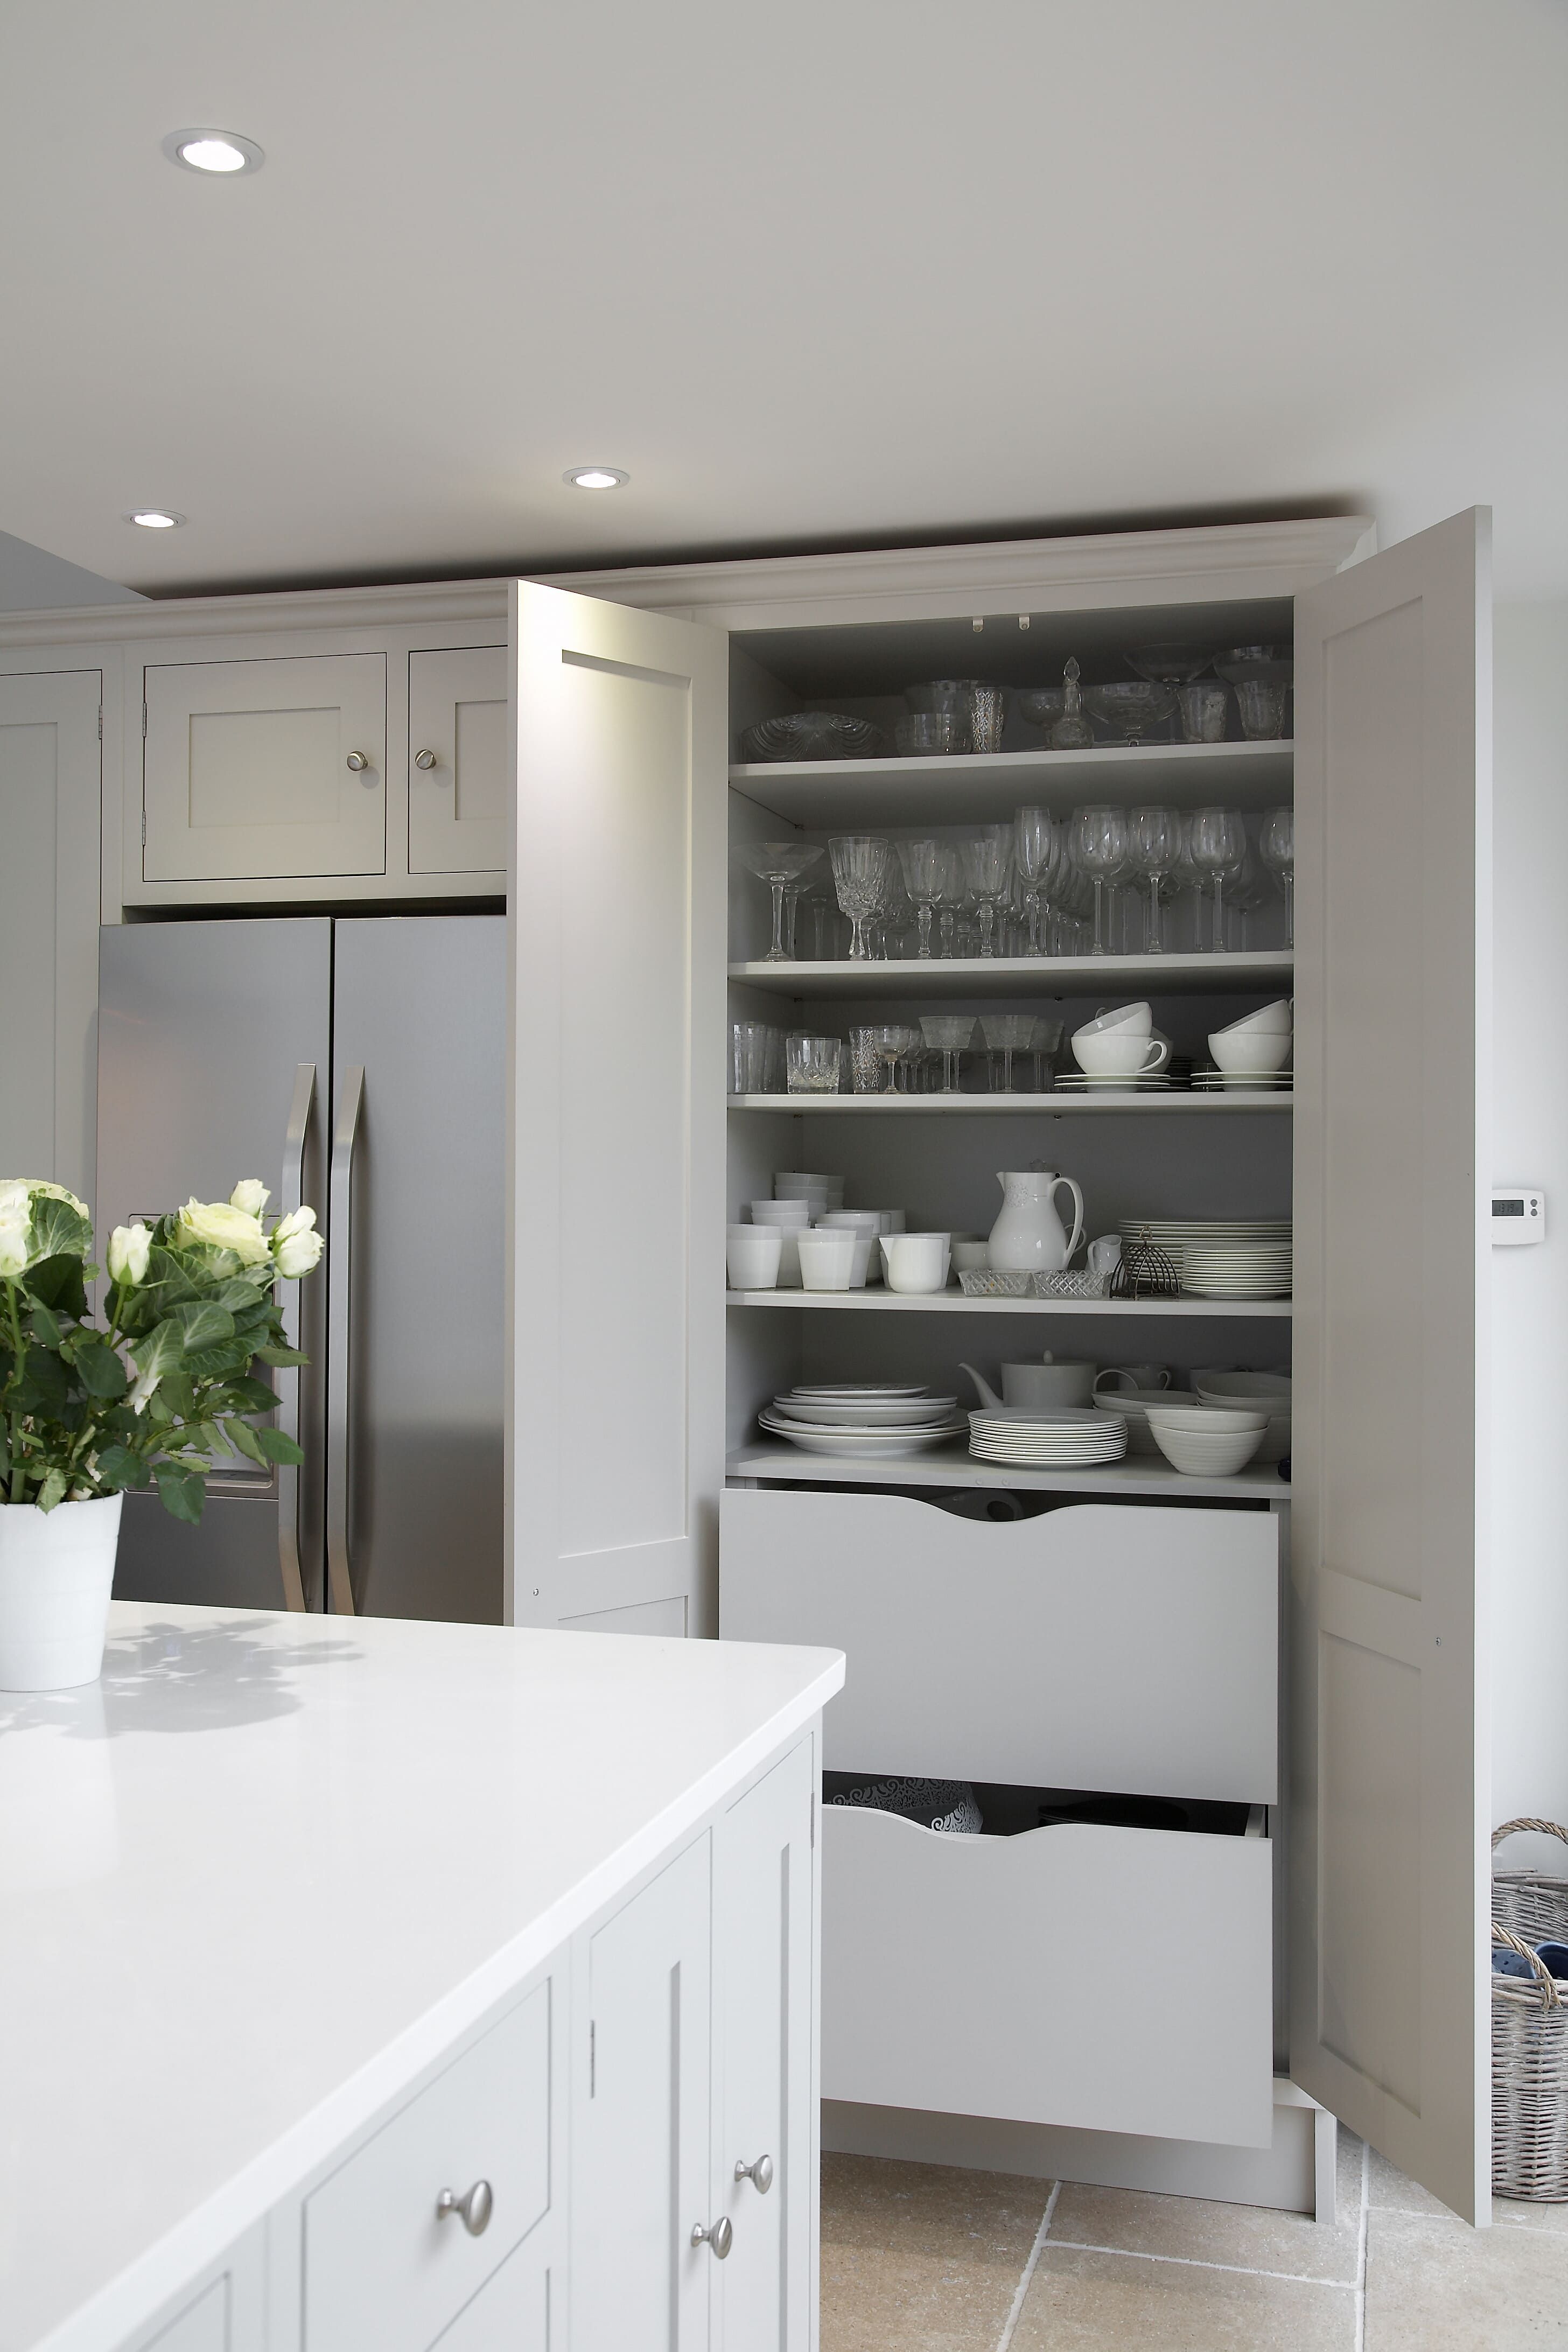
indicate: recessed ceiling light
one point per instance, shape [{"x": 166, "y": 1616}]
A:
[
  {"x": 595, "y": 478},
  {"x": 156, "y": 517},
  {"x": 213, "y": 150}
]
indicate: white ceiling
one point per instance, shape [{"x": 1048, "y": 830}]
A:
[{"x": 817, "y": 273}]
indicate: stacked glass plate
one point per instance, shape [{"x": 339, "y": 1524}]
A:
[
  {"x": 1073, "y": 1437},
  {"x": 876, "y": 1422},
  {"x": 1221, "y": 1258}
]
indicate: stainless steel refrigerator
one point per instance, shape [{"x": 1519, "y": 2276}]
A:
[{"x": 359, "y": 1065}]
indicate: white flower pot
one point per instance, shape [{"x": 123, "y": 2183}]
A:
[{"x": 57, "y": 1570}]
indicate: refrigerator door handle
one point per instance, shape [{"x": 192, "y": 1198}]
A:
[
  {"x": 289, "y": 1199},
  {"x": 339, "y": 1387}
]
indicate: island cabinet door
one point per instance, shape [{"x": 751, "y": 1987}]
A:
[
  {"x": 617, "y": 1049},
  {"x": 641, "y": 2281},
  {"x": 766, "y": 2105}
]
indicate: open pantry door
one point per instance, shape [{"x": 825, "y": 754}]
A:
[
  {"x": 1390, "y": 1968},
  {"x": 617, "y": 915}
]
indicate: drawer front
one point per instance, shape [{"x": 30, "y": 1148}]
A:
[
  {"x": 203, "y": 2328},
  {"x": 380, "y": 2267},
  {"x": 1096, "y": 1647},
  {"x": 246, "y": 772},
  {"x": 460, "y": 798},
  {"x": 510, "y": 2312},
  {"x": 1111, "y": 1980}
]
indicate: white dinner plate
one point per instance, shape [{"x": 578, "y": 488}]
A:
[{"x": 894, "y": 1412}]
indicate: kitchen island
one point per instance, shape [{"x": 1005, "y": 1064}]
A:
[{"x": 366, "y": 1983}]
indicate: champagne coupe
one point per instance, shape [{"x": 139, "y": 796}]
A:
[
  {"x": 859, "y": 876},
  {"x": 1008, "y": 1033},
  {"x": 1277, "y": 847},
  {"x": 1154, "y": 845},
  {"x": 988, "y": 855},
  {"x": 1217, "y": 843},
  {"x": 1100, "y": 842},
  {"x": 1034, "y": 845},
  {"x": 922, "y": 864},
  {"x": 782, "y": 863},
  {"x": 948, "y": 1033}
]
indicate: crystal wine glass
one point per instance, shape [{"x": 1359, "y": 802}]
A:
[
  {"x": 1008, "y": 1033},
  {"x": 988, "y": 855},
  {"x": 780, "y": 863},
  {"x": 1034, "y": 846},
  {"x": 1099, "y": 843},
  {"x": 1154, "y": 845},
  {"x": 1277, "y": 847},
  {"x": 1217, "y": 842},
  {"x": 859, "y": 875},
  {"x": 949, "y": 1034},
  {"x": 922, "y": 863}
]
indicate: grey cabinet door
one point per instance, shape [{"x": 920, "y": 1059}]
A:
[
  {"x": 460, "y": 786},
  {"x": 1390, "y": 1970}
]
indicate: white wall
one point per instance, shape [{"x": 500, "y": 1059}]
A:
[{"x": 1530, "y": 1286}]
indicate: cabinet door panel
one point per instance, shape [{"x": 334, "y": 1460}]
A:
[
  {"x": 618, "y": 888},
  {"x": 245, "y": 768},
  {"x": 459, "y": 799},
  {"x": 1390, "y": 1976},
  {"x": 764, "y": 1935},
  {"x": 640, "y": 2172}
]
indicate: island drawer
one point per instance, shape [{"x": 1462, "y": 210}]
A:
[
  {"x": 1097, "y": 1646},
  {"x": 1108, "y": 1979},
  {"x": 381, "y": 2267}
]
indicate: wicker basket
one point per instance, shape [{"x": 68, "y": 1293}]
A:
[
  {"x": 1527, "y": 1902},
  {"x": 1530, "y": 2081}
]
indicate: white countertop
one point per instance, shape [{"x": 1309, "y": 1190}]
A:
[{"x": 269, "y": 1867}]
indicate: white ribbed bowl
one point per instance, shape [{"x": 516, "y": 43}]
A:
[{"x": 1208, "y": 1443}]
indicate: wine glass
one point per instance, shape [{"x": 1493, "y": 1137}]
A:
[
  {"x": 1277, "y": 847},
  {"x": 1008, "y": 1033},
  {"x": 1216, "y": 841},
  {"x": 1034, "y": 849},
  {"x": 948, "y": 1033},
  {"x": 988, "y": 855},
  {"x": 1154, "y": 845},
  {"x": 859, "y": 875},
  {"x": 781, "y": 863},
  {"x": 1099, "y": 843},
  {"x": 922, "y": 868}
]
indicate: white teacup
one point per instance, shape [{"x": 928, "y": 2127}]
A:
[
  {"x": 862, "y": 1232},
  {"x": 1250, "y": 1049},
  {"x": 1118, "y": 1053},
  {"x": 753, "y": 1257},
  {"x": 970, "y": 1257},
  {"x": 915, "y": 1262},
  {"x": 827, "y": 1257},
  {"x": 1136, "y": 1020},
  {"x": 1275, "y": 1018}
]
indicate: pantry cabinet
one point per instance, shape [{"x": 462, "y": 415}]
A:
[{"x": 459, "y": 786}]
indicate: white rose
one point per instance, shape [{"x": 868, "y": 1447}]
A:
[
  {"x": 249, "y": 1194},
  {"x": 223, "y": 1226},
  {"x": 295, "y": 1243},
  {"x": 15, "y": 1199},
  {"x": 15, "y": 1239},
  {"x": 128, "y": 1248}
]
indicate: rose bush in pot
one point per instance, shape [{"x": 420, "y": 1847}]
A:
[{"x": 155, "y": 1393}]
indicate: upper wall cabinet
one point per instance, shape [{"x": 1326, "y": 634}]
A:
[
  {"x": 259, "y": 769},
  {"x": 456, "y": 760}
]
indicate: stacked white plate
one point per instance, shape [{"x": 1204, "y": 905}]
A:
[
  {"x": 1137, "y": 1082},
  {"x": 1238, "y": 1257},
  {"x": 1074, "y": 1437},
  {"x": 1245, "y": 1082},
  {"x": 875, "y": 1422}
]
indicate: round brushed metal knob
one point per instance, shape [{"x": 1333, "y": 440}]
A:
[
  {"x": 473, "y": 2211},
  {"x": 425, "y": 760},
  {"x": 760, "y": 2174},
  {"x": 358, "y": 762},
  {"x": 719, "y": 2239}
]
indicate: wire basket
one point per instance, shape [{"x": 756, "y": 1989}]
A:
[
  {"x": 1530, "y": 2079},
  {"x": 1530, "y": 1903},
  {"x": 990, "y": 1282},
  {"x": 1072, "y": 1282}
]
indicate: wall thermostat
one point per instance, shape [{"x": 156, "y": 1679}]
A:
[{"x": 1517, "y": 1217}]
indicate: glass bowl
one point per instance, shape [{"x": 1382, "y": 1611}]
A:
[
  {"x": 1136, "y": 711},
  {"x": 1171, "y": 665},
  {"x": 811, "y": 735},
  {"x": 1042, "y": 706}
]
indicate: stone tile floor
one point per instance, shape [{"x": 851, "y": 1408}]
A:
[{"x": 921, "y": 2258}]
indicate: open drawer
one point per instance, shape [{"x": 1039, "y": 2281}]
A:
[
  {"x": 1097, "y": 1646},
  {"x": 1113, "y": 1980}
]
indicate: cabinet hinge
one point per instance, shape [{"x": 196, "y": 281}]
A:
[
  {"x": 144, "y": 828},
  {"x": 593, "y": 2067},
  {"x": 143, "y": 722},
  {"x": 100, "y": 722}
]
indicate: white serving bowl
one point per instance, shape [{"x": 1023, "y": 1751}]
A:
[
  {"x": 1210, "y": 1443},
  {"x": 1133, "y": 1406},
  {"x": 1269, "y": 1390}
]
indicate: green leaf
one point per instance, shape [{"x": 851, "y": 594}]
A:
[
  {"x": 53, "y": 1489},
  {"x": 59, "y": 1231},
  {"x": 181, "y": 1492},
  {"x": 278, "y": 1446},
  {"x": 158, "y": 1349},
  {"x": 252, "y": 1396},
  {"x": 99, "y": 1371},
  {"x": 213, "y": 1363},
  {"x": 202, "y": 1325},
  {"x": 56, "y": 1282},
  {"x": 117, "y": 1467},
  {"x": 280, "y": 1357},
  {"x": 44, "y": 1327},
  {"x": 245, "y": 1439}
]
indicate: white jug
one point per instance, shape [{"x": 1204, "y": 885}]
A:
[{"x": 1027, "y": 1237}]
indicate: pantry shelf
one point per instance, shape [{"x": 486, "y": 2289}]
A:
[
  {"x": 986, "y": 785},
  {"x": 1248, "y": 971},
  {"x": 953, "y": 1302},
  {"x": 956, "y": 1466},
  {"x": 1047, "y": 1105}
]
